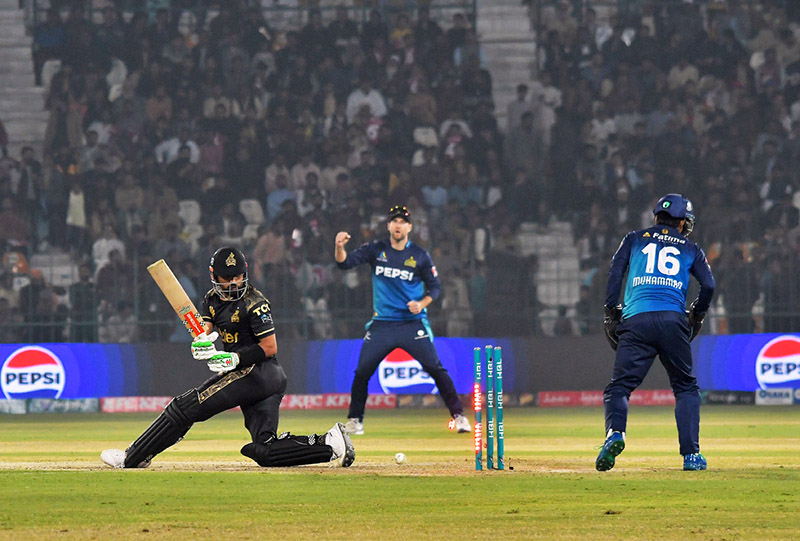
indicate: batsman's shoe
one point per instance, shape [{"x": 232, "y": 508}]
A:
[
  {"x": 354, "y": 426},
  {"x": 613, "y": 446},
  {"x": 113, "y": 457},
  {"x": 694, "y": 462},
  {"x": 462, "y": 424},
  {"x": 343, "y": 451},
  {"x": 116, "y": 458}
]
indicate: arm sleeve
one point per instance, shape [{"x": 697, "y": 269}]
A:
[
  {"x": 619, "y": 264},
  {"x": 702, "y": 271},
  {"x": 431, "y": 278},
  {"x": 362, "y": 254}
]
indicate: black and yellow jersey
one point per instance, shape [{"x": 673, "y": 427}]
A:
[{"x": 239, "y": 323}]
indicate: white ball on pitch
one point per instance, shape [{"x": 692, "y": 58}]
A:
[{"x": 400, "y": 458}]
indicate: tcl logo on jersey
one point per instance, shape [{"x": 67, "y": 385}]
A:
[
  {"x": 390, "y": 272},
  {"x": 778, "y": 362},
  {"x": 400, "y": 373},
  {"x": 32, "y": 372}
]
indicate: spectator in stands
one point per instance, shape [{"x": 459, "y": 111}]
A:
[
  {"x": 119, "y": 325},
  {"x": 159, "y": 105},
  {"x": 14, "y": 223},
  {"x": 114, "y": 281},
  {"x": 167, "y": 151},
  {"x": 780, "y": 295},
  {"x": 7, "y": 289},
  {"x": 48, "y": 42},
  {"x": 739, "y": 289},
  {"x": 83, "y": 307},
  {"x": 523, "y": 148},
  {"x": 30, "y": 293},
  {"x": 770, "y": 75},
  {"x": 171, "y": 247},
  {"x": 301, "y": 169},
  {"x": 103, "y": 246},
  {"x": 563, "y": 325},
  {"x": 516, "y": 108},
  {"x": 365, "y": 95},
  {"x": 76, "y": 236}
]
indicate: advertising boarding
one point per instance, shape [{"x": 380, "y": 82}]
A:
[{"x": 748, "y": 362}]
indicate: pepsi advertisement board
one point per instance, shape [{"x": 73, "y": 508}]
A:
[
  {"x": 71, "y": 370},
  {"x": 331, "y": 364},
  {"x": 747, "y": 362}
]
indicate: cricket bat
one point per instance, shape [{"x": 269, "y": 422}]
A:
[{"x": 176, "y": 296}]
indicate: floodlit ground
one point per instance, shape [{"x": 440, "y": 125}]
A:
[{"x": 54, "y": 486}]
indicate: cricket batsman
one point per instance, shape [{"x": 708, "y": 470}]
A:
[{"x": 246, "y": 374}]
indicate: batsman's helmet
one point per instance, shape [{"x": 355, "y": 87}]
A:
[
  {"x": 677, "y": 206},
  {"x": 227, "y": 263}
]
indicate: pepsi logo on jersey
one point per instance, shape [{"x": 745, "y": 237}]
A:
[{"x": 390, "y": 272}]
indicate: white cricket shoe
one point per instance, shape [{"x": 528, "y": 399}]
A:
[
  {"x": 462, "y": 424},
  {"x": 113, "y": 457},
  {"x": 116, "y": 459},
  {"x": 354, "y": 426},
  {"x": 343, "y": 451}
]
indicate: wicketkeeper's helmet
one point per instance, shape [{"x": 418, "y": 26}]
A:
[{"x": 677, "y": 206}]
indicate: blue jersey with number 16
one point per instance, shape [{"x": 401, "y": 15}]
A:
[{"x": 659, "y": 261}]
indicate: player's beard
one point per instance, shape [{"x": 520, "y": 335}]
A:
[{"x": 399, "y": 236}]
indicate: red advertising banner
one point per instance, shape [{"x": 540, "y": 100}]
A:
[
  {"x": 571, "y": 399},
  {"x": 133, "y": 404}
]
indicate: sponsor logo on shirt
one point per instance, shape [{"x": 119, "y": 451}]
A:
[
  {"x": 668, "y": 238},
  {"x": 390, "y": 272}
]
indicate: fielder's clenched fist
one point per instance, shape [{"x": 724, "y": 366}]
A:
[{"x": 341, "y": 238}]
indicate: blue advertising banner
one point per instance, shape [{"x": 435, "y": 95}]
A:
[
  {"x": 71, "y": 370},
  {"x": 747, "y": 362},
  {"x": 330, "y": 365}
]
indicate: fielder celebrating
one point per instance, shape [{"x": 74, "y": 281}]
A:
[
  {"x": 404, "y": 283},
  {"x": 247, "y": 374},
  {"x": 659, "y": 261}
]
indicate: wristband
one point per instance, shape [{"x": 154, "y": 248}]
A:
[{"x": 252, "y": 354}]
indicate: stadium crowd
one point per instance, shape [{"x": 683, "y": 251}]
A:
[{"x": 185, "y": 127}]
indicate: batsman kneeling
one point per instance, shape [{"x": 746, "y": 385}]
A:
[{"x": 246, "y": 374}]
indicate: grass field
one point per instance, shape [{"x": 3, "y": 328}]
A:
[{"x": 54, "y": 486}]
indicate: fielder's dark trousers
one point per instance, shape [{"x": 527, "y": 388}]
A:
[
  {"x": 258, "y": 390},
  {"x": 413, "y": 336},
  {"x": 641, "y": 338}
]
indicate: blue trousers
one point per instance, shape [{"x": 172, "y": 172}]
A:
[
  {"x": 416, "y": 338},
  {"x": 641, "y": 338}
]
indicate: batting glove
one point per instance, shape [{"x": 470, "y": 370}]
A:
[
  {"x": 223, "y": 362},
  {"x": 610, "y": 322},
  {"x": 203, "y": 347}
]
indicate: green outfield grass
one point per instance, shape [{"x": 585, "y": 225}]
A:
[{"x": 54, "y": 486}]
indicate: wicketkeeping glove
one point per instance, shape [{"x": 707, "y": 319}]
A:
[
  {"x": 223, "y": 362},
  {"x": 695, "y": 322},
  {"x": 610, "y": 322},
  {"x": 203, "y": 347}
]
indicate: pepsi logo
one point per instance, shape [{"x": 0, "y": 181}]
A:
[
  {"x": 778, "y": 362},
  {"x": 32, "y": 372},
  {"x": 400, "y": 373}
]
